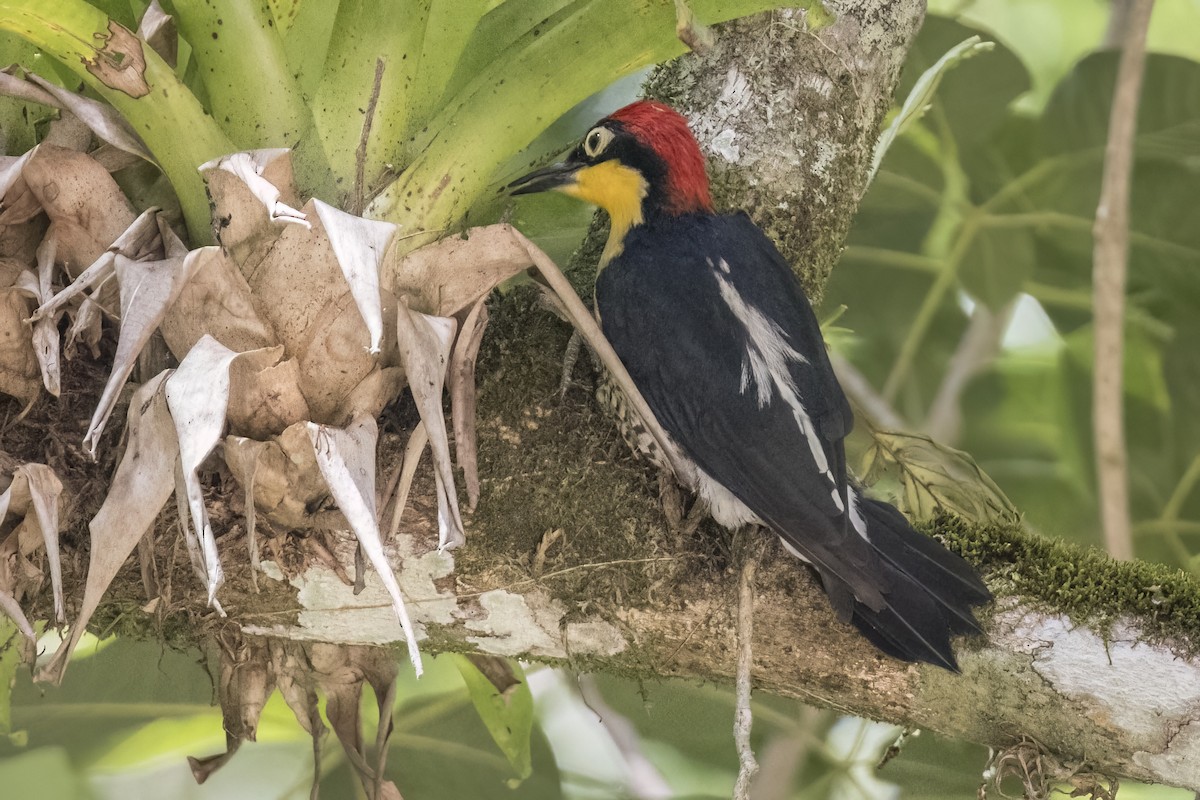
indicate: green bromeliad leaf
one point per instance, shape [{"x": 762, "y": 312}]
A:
[
  {"x": 504, "y": 703},
  {"x": 111, "y": 61},
  {"x": 544, "y": 70}
]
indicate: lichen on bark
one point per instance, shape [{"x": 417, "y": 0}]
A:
[{"x": 788, "y": 118}]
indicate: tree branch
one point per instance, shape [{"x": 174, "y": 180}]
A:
[
  {"x": 1117, "y": 698},
  {"x": 1111, "y": 235},
  {"x": 976, "y": 349}
]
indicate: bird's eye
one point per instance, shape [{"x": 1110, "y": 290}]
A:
[{"x": 596, "y": 140}]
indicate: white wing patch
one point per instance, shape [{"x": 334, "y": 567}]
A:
[
  {"x": 765, "y": 367},
  {"x": 856, "y": 517}
]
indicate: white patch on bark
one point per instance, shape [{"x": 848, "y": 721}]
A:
[
  {"x": 723, "y": 145},
  {"x": 819, "y": 84},
  {"x": 332, "y": 613},
  {"x": 530, "y": 624},
  {"x": 1121, "y": 683}
]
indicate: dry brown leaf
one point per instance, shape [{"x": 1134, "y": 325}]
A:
[
  {"x": 425, "y": 343},
  {"x": 294, "y": 676},
  {"x": 120, "y": 64},
  {"x": 18, "y": 204},
  {"x": 447, "y": 277},
  {"x": 34, "y": 493},
  {"x": 39, "y": 490},
  {"x": 136, "y": 241},
  {"x": 85, "y": 328},
  {"x": 158, "y": 29},
  {"x": 19, "y": 241},
  {"x": 462, "y": 396},
  {"x": 70, "y": 132},
  {"x": 359, "y": 245},
  {"x": 242, "y": 456},
  {"x": 247, "y": 679},
  {"x": 198, "y": 396},
  {"x": 335, "y": 363},
  {"x": 417, "y": 442},
  {"x": 84, "y": 204},
  {"x": 346, "y": 458},
  {"x": 139, "y": 489},
  {"x": 99, "y": 118},
  {"x": 287, "y": 483},
  {"x": 45, "y": 332},
  {"x": 218, "y": 302},
  {"x": 341, "y": 671},
  {"x": 15, "y": 86},
  {"x": 147, "y": 288},
  {"x": 264, "y": 397},
  {"x": 12, "y": 609},
  {"x": 243, "y": 216},
  {"x": 20, "y": 376}
]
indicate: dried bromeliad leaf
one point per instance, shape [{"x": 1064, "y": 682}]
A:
[{"x": 32, "y": 495}]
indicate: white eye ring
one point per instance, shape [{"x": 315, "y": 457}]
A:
[{"x": 596, "y": 140}]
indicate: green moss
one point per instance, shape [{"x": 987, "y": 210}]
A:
[
  {"x": 125, "y": 618},
  {"x": 1085, "y": 584},
  {"x": 550, "y": 464}
]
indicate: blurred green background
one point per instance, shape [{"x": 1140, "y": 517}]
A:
[{"x": 984, "y": 208}]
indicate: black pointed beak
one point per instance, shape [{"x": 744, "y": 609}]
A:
[{"x": 541, "y": 180}]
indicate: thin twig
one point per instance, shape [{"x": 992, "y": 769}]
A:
[
  {"x": 360, "y": 155},
  {"x": 743, "y": 718},
  {"x": 643, "y": 780},
  {"x": 1110, "y": 256},
  {"x": 863, "y": 394},
  {"x": 979, "y": 344}
]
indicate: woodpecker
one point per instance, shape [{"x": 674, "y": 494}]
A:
[{"x": 718, "y": 335}]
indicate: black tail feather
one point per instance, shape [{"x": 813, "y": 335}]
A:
[{"x": 930, "y": 597}]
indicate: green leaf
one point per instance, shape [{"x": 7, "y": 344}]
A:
[
  {"x": 448, "y": 28},
  {"x": 11, "y": 644},
  {"x": 505, "y": 705},
  {"x": 254, "y": 96},
  {"x": 922, "y": 93},
  {"x": 974, "y": 96},
  {"x": 18, "y": 119},
  {"x": 167, "y": 116},
  {"x": 530, "y": 83},
  {"x": 44, "y": 772},
  {"x": 937, "y": 478},
  {"x": 373, "y": 56},
  {"x": 1014, "y": 426},
  {"x": 305, "y": 38},
  {"x": 996, "y": 265},
  {"x": 1168, "y": 126},
  {"x": 933, "y": 767}
]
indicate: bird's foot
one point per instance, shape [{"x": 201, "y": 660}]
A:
[
  {"x": 683, "y": 517},
  {"x": 570, "y": 359}
]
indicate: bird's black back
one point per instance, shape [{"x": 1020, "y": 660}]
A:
[
  {"x": 661, "y": 305},
  {"x": 674, "y": 304}
]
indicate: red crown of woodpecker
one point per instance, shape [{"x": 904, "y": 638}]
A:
[{"x": 665, "y": 131}]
